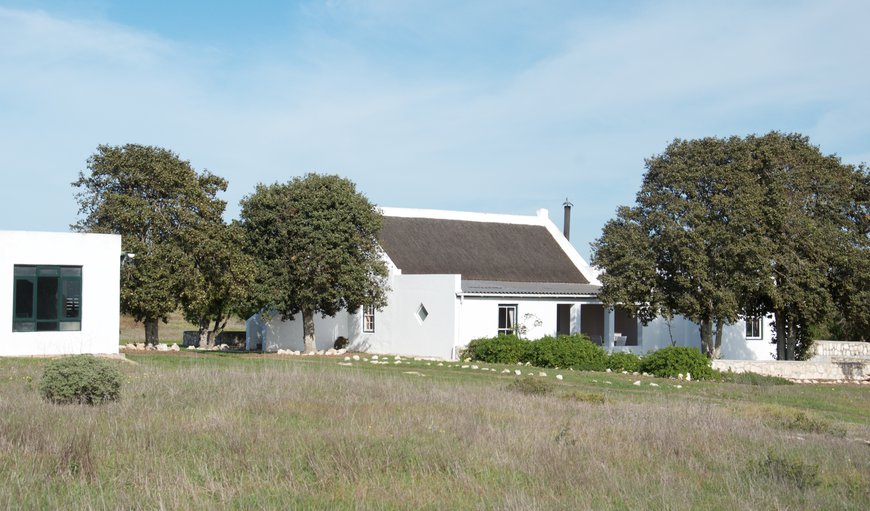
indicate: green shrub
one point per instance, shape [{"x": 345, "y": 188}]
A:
[
  {"x": 569, "y": 351},
  {"x": 747, "y": 378},
  {"x": 789, "y": 470},
  {"x": 621, "y": 361},
  {"x": 531, "y": 385},
  {"x": 504, "y": 349},
  {"x": 675, "y": 360},
  {"x": 82, "y": 379},
  {"x": 800, "y": 421}
]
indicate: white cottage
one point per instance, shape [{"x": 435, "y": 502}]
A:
[
  {"x": 62, "y": 293},
  {"x": 456, "y": 276}
]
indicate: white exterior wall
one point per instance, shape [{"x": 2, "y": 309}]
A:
[
  {"x": 99, "y": 255},
  {"x": 479, "y": 316},
  {"x": 399, "y": 331},
  {"x": 735, "y": 346},
  {"x": 276, "y": 334}
]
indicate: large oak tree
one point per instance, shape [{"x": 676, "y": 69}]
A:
[{"x": 315, "y": 242}]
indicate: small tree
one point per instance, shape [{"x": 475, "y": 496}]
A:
[
  {"x": 314, "y": 240},
  {"x": 148, "y": 195}
]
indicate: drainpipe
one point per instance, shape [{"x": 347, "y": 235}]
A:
[{"x": 566, "y": 224}]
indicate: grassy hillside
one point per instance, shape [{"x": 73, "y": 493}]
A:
[
  {"x": 240, "y": 431},
  {"x": 170, "y": 332}
]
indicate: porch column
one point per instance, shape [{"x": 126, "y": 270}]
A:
[
  {"x": 609, "y": 327},
  {"x": 575, "y": 318}
]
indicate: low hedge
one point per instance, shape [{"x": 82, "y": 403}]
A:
[
  {"x": 504, "y": 349},
  {"x": 622, "y": 361},
  {"x": 574, "y": 351},
  {"x": 675, "y": 360}
]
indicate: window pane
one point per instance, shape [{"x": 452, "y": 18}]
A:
[
  {"x": 46, "y": 326},
  {"x": 70, "y": 271},
  {"x": 25, "y": 271},
  {"x": 72, "y": 298},
  {"x": 46, "y": 271},
  {"x": 23, "y": 326},
  {"x": 70, "y": 326},
  {"x": 46, "y": 298},
  {"x": 23, "y": 298}
]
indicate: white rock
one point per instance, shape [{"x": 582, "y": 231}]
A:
[
  {"x": 594, "y": 381},
  {"x": 440, "y": 364},
  {"x": 342, "y": 351},
  {"x": 355, "y": 357},
  {"x": 609, "y": 382},
  {"x": 162, "y": 347},
  {"x": 518, "y": 372},
  {"x": 346, "y": 364},
  {"x": 625, "y": 372},
  {"x": 346, "y": 359},
  {"x": 678, "y": 386},
  {"x": 374, "y": 357},
  {"x": 607, "y": 370},
  {"x": 637, "y": 383},
  {"x": 174, "y": 347},
  {"x": 330, "y": 351},
  {"x": 645, "y": 374},
  {"x": 688, "y": 376},
  {"x": 505, "y": 371},
  {"x": 465, "y": 366},
  {"x": 558, "y": 376},
  {"x": 653, "y": 384},
  {"x": 530, "y": 374},
  {"x": 428, "y": 363},
  {"x": 542, "y": 374},
  {"x": 397, "y": 361},
  {"x": 680, "y": 376},
  {"x": 475, "y": 367}
]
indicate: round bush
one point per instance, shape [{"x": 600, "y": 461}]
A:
[
  {"x": 674, "y": 360},
  {"x": 569, "y": 351},
  {"x": 82, "y": 379},
  {"x": 504, "y": 349},
  {"x": 621, "y": 361}
]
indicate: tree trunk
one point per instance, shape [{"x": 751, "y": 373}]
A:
[
  {"x": 308, "y": 330},
  {"x": 152, "y": 335},
  {"x": 717, "y": 345},
  {"x": 205, "y": 338},
  {"x": 779, "y": 318},
  {"x": 707, "y": 337},
  {"x": 790, "y": 342}
]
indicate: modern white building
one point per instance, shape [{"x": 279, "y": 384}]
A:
[
  {"x": 61, "y": 293},
  {"x": 457, "y": 276}
]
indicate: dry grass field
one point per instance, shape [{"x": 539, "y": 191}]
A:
[{"x": 238, "y": 431}]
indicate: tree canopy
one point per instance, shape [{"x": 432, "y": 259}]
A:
[
  {"x": 739, "y": 226},
  {"x": 155, "y": 200},
  {"x": 315, "y": 242}
]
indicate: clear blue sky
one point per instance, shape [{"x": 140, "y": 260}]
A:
[{"x": 501, "y": 106}]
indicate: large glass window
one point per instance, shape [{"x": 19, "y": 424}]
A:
[
  {"x": 47, "y": 298},
  {"x": 507, "y": 319}
]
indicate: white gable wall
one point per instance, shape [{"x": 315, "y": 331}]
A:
[{"x": 99, "y": 257}]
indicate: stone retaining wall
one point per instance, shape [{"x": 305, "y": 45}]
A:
[
  {"x": 844, "y": 370},
  {"x": 833, "y": 350}
]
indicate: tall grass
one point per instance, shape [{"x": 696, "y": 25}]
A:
[{"x": 259, "y": 433}]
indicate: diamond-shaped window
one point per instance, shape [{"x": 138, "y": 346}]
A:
[{"x": 422, "y": 313}]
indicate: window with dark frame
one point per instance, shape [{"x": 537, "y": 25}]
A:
[
  {"x": 47, "y": 298},
  {"x": 369, "y": 319},
  {"x": 753, "y": 328},
  {"x": 507, "y": 319}
]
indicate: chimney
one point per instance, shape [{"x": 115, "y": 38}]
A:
[{"x": 566, "y": 225}]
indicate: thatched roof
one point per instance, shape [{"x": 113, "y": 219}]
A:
[{"x": 479, "y": 251}]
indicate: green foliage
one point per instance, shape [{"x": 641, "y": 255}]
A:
[
  {"x": 570, "y": 351},
  {"x": 531, "y": 385},
  {"x": 674, "y": 360},
  {"x": 154, "y": 200},
  {"x": 788, "y": 470},
  {"x": 743, "y": 226},
  {"x": 623, "y": 361},
  {"x": 315, "y": 243},
  {"x": 801, "y": 421},
  {"x": 585, "y": 397},
  {"x": 747, "y": 378},
  {"x": 503, "y": 349},
  {"x": 82, "y": 379}
]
